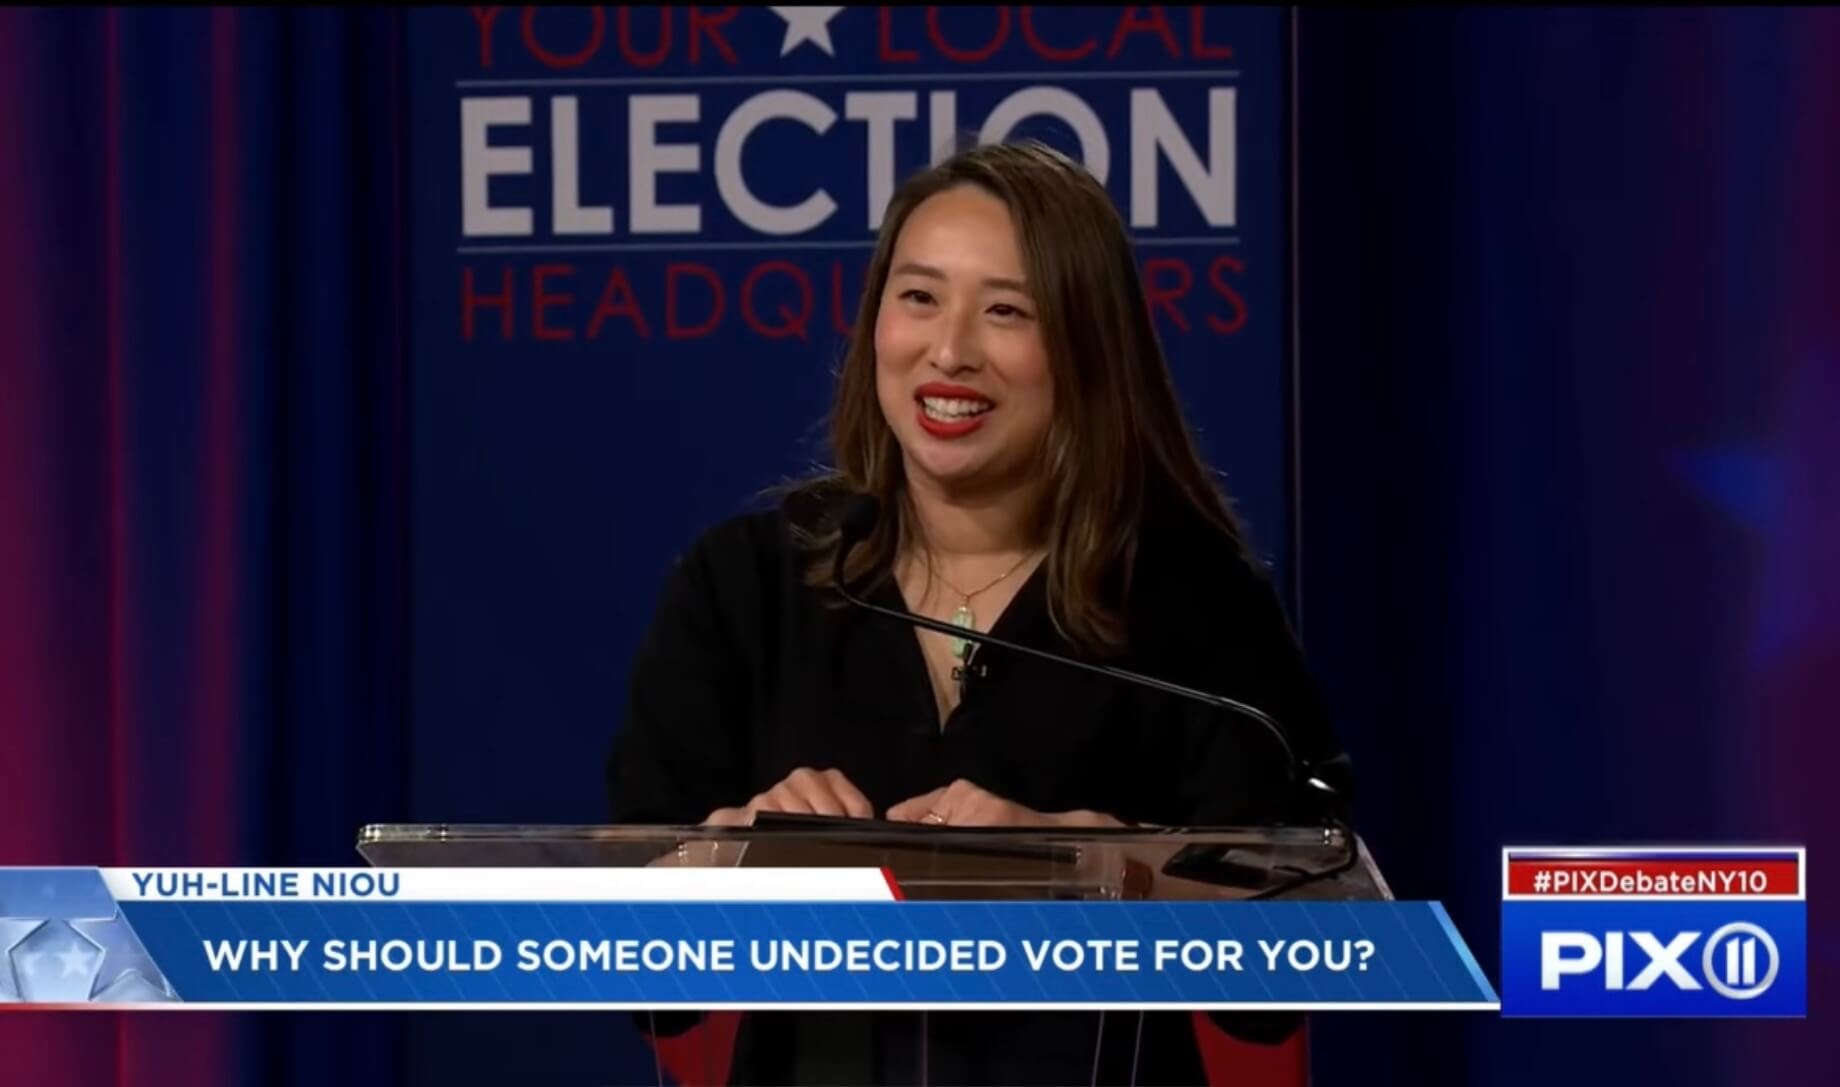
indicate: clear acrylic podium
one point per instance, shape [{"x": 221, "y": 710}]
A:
[{"x": 938, "y": 863}]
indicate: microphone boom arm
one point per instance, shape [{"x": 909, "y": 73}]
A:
[{"x": 844, "y": 546}]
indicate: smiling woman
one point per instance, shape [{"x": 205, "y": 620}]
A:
[
  {"x": 956, "y": 337},
  {"x": 1005, "y": 401}
]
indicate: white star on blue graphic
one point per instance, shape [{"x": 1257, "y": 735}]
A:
[
  {"x": 56, "y": 964},
  {"x": 807, "y": 24}
]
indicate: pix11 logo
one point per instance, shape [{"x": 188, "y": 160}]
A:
[{"x": 1704, "y": 932}]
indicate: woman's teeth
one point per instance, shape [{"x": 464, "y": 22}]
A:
[{"x": 951, "y": 411}]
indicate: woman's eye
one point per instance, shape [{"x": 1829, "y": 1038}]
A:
[
  {"x": 915, "y": 294},
  {"x": 1004, "y": 309}
]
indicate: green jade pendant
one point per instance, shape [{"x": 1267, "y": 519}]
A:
[{"x": 962, "y": 618}]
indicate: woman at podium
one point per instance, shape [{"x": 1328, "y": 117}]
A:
[{"x": 1006, "y": 403}]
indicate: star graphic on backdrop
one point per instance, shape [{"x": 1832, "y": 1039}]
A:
[
  {"x": 56, "y": 964},
  {"x": 128, "y": 973},
  {"x": 62, "y": 940},
  {"x": 807, "y": 24},
  {"x": 12, "y": 931},
  {"x": 77, "y": 961}
]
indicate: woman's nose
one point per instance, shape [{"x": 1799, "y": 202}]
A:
[{"x": 955, "y": 348}]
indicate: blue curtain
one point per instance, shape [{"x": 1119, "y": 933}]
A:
[
  {"x": 1571, "y": 471},
  {"x": 202, "y": 515}
]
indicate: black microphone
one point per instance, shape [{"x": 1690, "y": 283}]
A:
[{"x": 857, "y": 517}]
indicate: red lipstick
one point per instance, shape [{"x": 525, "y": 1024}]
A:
[{"x": 956, "y": 428}]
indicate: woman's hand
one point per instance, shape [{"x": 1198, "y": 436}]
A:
[
  {"x": 966, "y": 804},
  {"x": 805, "y": 791}
]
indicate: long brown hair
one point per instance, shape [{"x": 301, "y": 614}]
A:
[{"x": 1118, "y": 433}]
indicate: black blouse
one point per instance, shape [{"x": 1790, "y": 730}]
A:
[{"x": 748, "y": 674}]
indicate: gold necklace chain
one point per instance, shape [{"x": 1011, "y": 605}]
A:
[
  {"x": 964, "y": 617},
  {"x": 962, "y": 594}
]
